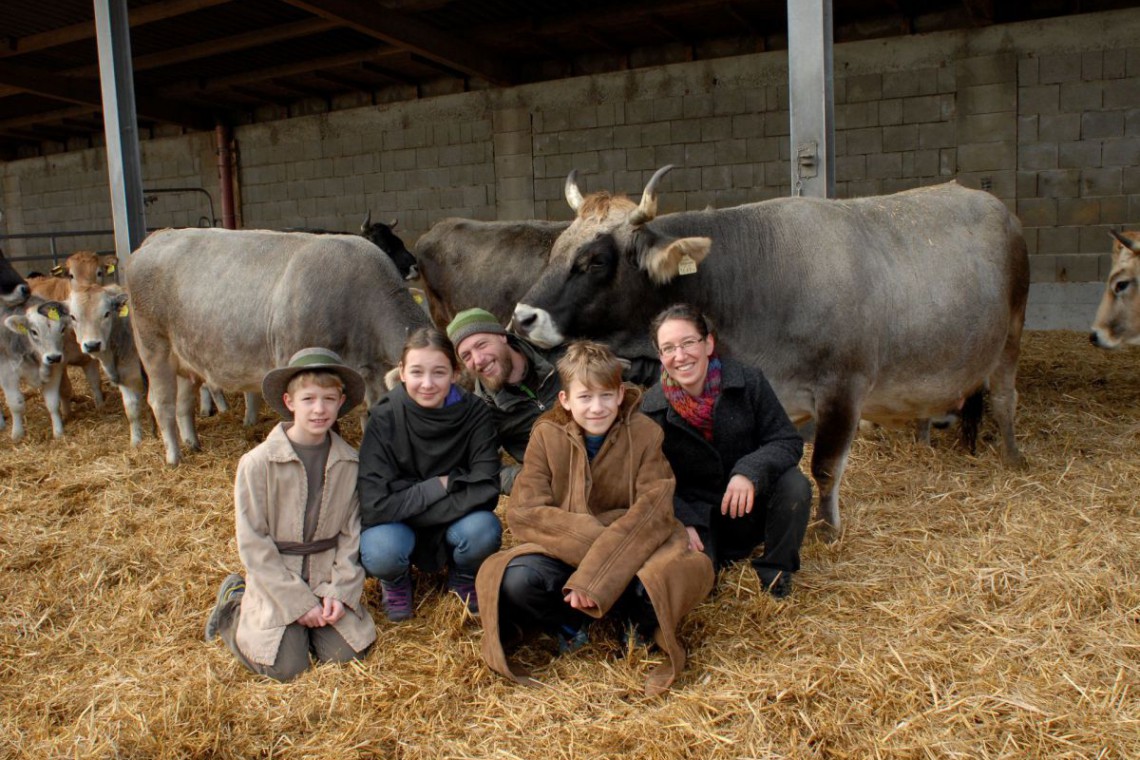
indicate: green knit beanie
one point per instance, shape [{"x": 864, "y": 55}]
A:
[{"x": 471, "y": 321}]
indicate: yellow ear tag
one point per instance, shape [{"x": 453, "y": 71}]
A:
[
  {"x": 686, "y": 265},
  {"x": 21, "y": 329},
  {"x": 53, "y": 314},
  {"x": 124, "y": 310},
  {"x": 110, "y": 269},
  {"x": 419, "y": 299},
  {"x": 57, "y": 270}
]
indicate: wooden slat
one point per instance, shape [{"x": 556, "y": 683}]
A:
[{"x": 412, "y": 34}]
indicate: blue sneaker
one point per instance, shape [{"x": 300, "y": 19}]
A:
[{"x": 571, "y": 639}]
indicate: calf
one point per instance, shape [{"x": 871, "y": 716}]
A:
[
  {"x": 32, "y": 350},
  {"x": 1118, "y": 317},
  {"x": 103, "y": 330}
]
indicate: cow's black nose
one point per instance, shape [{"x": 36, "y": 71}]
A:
[
  {"x": 92, "y": 346},
  {"x": 52, "y": 359},
  {"x": 1093, "y": 338}
]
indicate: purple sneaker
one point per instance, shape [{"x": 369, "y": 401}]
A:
[
  {"x": 463, "y": 585},
  {"x": 397, "y": 598}
]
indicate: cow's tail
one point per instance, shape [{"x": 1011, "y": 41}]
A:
[{"x": 970, "y": 420}]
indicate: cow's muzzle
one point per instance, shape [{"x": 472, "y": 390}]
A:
[{"x": 92, "y": 346}]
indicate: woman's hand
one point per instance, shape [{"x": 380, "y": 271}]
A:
[
  {"x": 580, "y": 601},
  {"x": 314, "y": 618},
  {"x": 695, "y": 542},
  {"x": 333, "y": 609},
  {"x": 738, "y": 497},
  {"x": 443, "y": 479}
]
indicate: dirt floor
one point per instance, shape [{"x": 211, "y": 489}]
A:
[{"x": 967, "y": 611}]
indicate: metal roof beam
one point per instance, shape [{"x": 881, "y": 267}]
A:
[
  {"x": 407, "y": 32},
  {"x": 285, "y": 70}
]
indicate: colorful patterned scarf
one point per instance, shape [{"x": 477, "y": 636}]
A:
[{"x": 695, "y": 410}]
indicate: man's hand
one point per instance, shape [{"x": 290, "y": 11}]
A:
[
  {"x": 738, "y": 497},
  {"x": 332, "y": 609},
  {"x": 314, "y": 618},
  {"x": 695, "y": 542},
  {"x": 580, "y": 601}
]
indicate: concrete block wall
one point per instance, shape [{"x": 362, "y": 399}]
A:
[{"x": 1046, "y": 115}]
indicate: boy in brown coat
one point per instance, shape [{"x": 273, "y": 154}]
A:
[{"x": 594, "y": 506}]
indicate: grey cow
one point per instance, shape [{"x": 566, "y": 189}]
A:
[
  {"x": 888, "y": 307},
  {"x": 224, "y": 307}
]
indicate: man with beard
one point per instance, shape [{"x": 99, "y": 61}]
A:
[{"x": 515, "y": 378}]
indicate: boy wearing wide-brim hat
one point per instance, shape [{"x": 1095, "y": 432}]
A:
[{"x": 298, "y": 530}]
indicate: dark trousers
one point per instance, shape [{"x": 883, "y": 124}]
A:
[
  {"x": 778, "y": 519},
  {"x": 531, "y": 597},
  {"x": 296, "y": 645}
]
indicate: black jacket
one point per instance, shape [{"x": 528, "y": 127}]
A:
[
  {"x": 404, "y": 450},
  {"x": 752, "y": 436}
]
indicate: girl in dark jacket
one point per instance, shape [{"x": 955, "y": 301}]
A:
[
  {"x": 429, "y": 478},
  {"x": 733, "y": 450}
]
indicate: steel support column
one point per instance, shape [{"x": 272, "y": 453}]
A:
[
  {"x": 124, "y": 165},
  {"x": 811, "y": 98}
]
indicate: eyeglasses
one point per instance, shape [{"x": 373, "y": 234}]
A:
[{"x": 686, "y": 346}]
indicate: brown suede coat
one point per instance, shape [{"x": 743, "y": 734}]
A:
[{"x": 611, "y": 518}]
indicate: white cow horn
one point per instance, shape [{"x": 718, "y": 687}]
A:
[
  {"x": 1127, "y": 242},
  {"x": 367, "y": 221},
  {"x": 573, "y": 194},
  {"x": 648, "y": 207}
]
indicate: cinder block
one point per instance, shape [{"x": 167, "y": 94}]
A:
[
  {"x": 988, "y": 69},
  {"x": 864, "y": 87},
  {"x": 1042, "y": 268},
  {"x": 1060, "y": 67},
  {"x": 627, "y": 136},
  {"x": 610, "y": 114},
  {"x": 640, "y": 158},
  {"x": 716, "y": 128},
  {"x": 1095, "y": 239},
  {"x": 600, "y": 138},
  {"x": 890, "y": 112},
  {"x": 586, "y": 161},
  {"x": 513, "y": 189},
  {"x": 666, "y": 154},
  {"x": 395, "y": 182},
  {"x": 1114, "y": 210},
  {"x": 612, "y": 159},
  {"x": 900, "y": 138},
  {"x": 1058, "y": 240},
  {"x": 1037, "y": 156},
  {"x": 1092, "y": 65},
  {"x": 639, "y": 112},
  {"x": 1042, "y": 99},
  {"x": 583, "y": 118},
  {"x": 1062, "y": 127},
  {"x": 1122, "y": 93},
  {"x": 729, "y": 103},
  {"x": 1076, "y": 267},
  {"x": 1059, "y": 183},
  {"x": 763, "y": 149},
  {"x": 1132, "y": 122},
  {"x": 513, "y": 166},
  {"x": 988, "y": 98},
  {"x": 1078, "y": 155},
  {"x": 1027, "y": 185},
  {"x": 1114, "y": 66},
  {"x": 685, "y": 130},
  {"x": 857, "y": 115},
  {"x": 1131, "y": 180},
  {"x": 731, "y": 151},
  {"x": 1076, "y": 97},
  {"x": 905, "y": 84},
  {"x": 553, "y": 120},
  {"x": 450, "y": 155},
  {"x": 925, "y": 163},
  {"x": 1102, "y": 181},
  {"x": 696, "y": 106},
  {"x": 776, "y": 123},
  {"x": 1027, "y": 70},
  {"x": 988, "y": 127},
  {"x": 512, "y": 143},
  {"x": 937, "y": 135},
  {"x": 742, "y": 177},
  {"x": 924, "y": 108},
  {"x": 1078, "y": 211},
  {"x": 864, "y": 141},
  {"x": 510, "y": 119},
  {"x": 747, "y": 125},
  {"x": 716, "y": 177},
  {"x": 1037, "y": 212},
  {"x": 656, "y": 134},
  {"x": 666, "y": 109},
  {"x": 884, "y": 165},
  {"x": 1027, "y": 128}
]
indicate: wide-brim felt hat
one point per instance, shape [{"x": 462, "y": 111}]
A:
[{"x": 276, "y": 381}]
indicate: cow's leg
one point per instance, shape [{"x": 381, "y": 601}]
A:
[
  {"x": 156, "y": 360},
  {"x": 91, "y": 370},
  {"x": 132, "y": 397},
  {"x": 837, "y": 421},
  {"x": 66, "y": 392},
  {"x": 922, "y": 431},
  {"x": 52, "y": 391},
  {"x": 187, "y": 397},
  {"x": 15, "y": 398},
  {"x": 252, "y": 405},
  {"x": 1003, "y": 397},
  {"x": 205, "y": 402}
]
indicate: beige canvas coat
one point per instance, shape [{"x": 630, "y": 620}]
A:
[
  {"x": 269, "y": 498},
  {"x": 611, "y": 518}
]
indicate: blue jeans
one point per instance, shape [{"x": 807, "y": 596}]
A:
[{"x": 386, "y": 550}]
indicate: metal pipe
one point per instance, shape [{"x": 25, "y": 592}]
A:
[{"x": 225, "y": 137}]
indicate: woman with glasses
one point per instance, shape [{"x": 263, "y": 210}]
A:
[{"x": 733, "y": 450}]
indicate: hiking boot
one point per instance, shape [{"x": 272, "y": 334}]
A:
[
  {"x": 463, "y": 585},
  {"x": 778, "y": 586},
  {"x": 571, "y": 639},
  {"x": 633, "y": 636},
  {"x": 397, "y": 598},
  {"x": 231, "y": 590}
]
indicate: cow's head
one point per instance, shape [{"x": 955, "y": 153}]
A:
[
  {"x": 1118, "y": 318},
  {"x": 95, "y": 310},
  {"x": 381, "y": 236},
  {"x": 43, "y": 323},
  {"x": 608, "y": 273},
  {"x": 88, "y": 267},
  {"x": 13, "y": 289}
]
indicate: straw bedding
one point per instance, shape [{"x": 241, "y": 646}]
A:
[{"x": 968, "y": 611}]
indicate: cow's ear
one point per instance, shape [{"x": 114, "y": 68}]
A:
[
  {"x": 119, "y": 304},
  {"x": 109, "y": 261},
  {"x": 679, "y": 257},
  {"x": 17, "y": 323}
]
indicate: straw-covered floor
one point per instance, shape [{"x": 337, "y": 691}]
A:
[{"x": 968, "y": 611}]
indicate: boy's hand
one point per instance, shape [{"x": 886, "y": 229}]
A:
[
  {"x": 333, "y": 609},
  {"x": 695, "y": 542},
  {"x": 314, "y": 618},
  {"x": 738, "y": 497},
  {"x": 443, "y": 479},
  {"x": 580, "y": 601}
]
